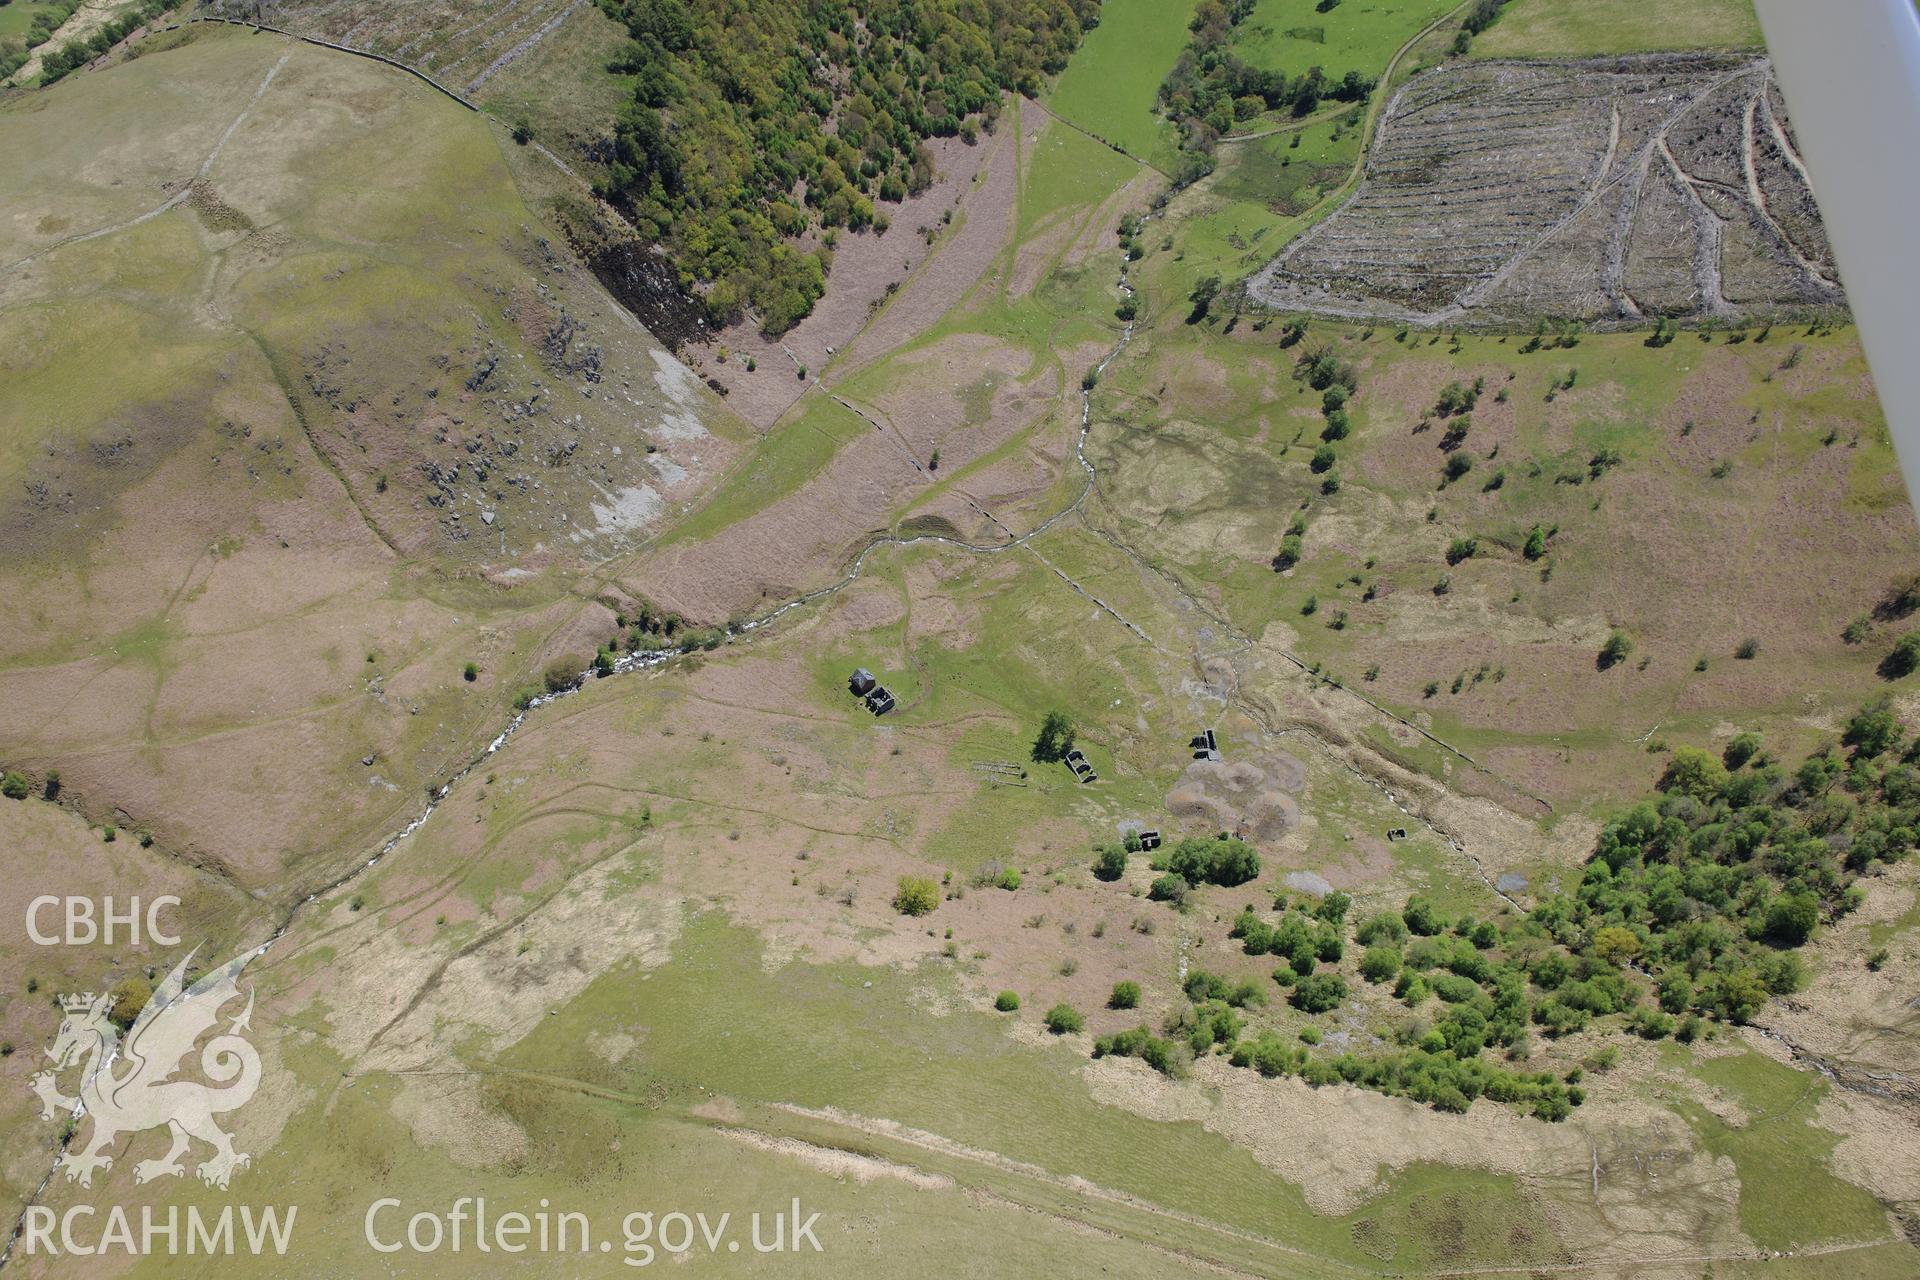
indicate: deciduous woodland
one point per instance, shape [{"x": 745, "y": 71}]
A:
[{"x": 754, "y": 127}]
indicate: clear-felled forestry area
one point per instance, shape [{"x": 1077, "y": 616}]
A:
[{"x": 1618, "y": 189}]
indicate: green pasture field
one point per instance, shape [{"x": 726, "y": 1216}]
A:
[
  {"x": 1579, "y": 28},
  {"x": 1355, "y": 35},
  {"x": 1113, "y": 83}
]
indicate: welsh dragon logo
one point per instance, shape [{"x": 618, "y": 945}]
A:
[{"x": 126, "y": 1087}]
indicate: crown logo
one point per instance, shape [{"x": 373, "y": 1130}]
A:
[{"x": 81, "y": 1003}]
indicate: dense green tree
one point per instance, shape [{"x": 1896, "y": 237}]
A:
[
  {"x": 1421, "y": 918},
  {"x": 1169, "y": 888},
  {"x": 1204, "y": 291},
  {"x": 1220, "y": 860},
  {"x": 916, "y": 896},
  {"x": 1741, "y": 748},
  {"x": 1904, "y": 659},
  {"x": 1693, "y": 772},
  {"x": 1055, "y": 738},
  {"x": 1618, "y": 645},
  {"x": 1164, "y": 1056},
  {"x": 1380, "y": 964},
  {"x": 1385, "y": 927},
  {"x": 1740, "y": 995},
  {"x": 1873, "y": 729},
  {"x": 1319, "y": 992},
  {"x": 1791, "y": 918}
]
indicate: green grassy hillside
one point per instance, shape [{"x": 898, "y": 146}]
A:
[
  {"x": 1113, "y": 91},
  {"x": 1561, "y": 28}
]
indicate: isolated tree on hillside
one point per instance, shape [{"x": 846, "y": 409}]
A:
[
  {"x": 1904, "y": 660},
  {"x": 1063, "y": 1019},
  {"x": 563, "y": 673},
  {"x": 1056, "y": 738},
  {"x": 1455, "y": 398},
  {"x": 1202, "y": 298},
  {"x": 1615, "y": 650},
  {"x": 915, "y": 896}
]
